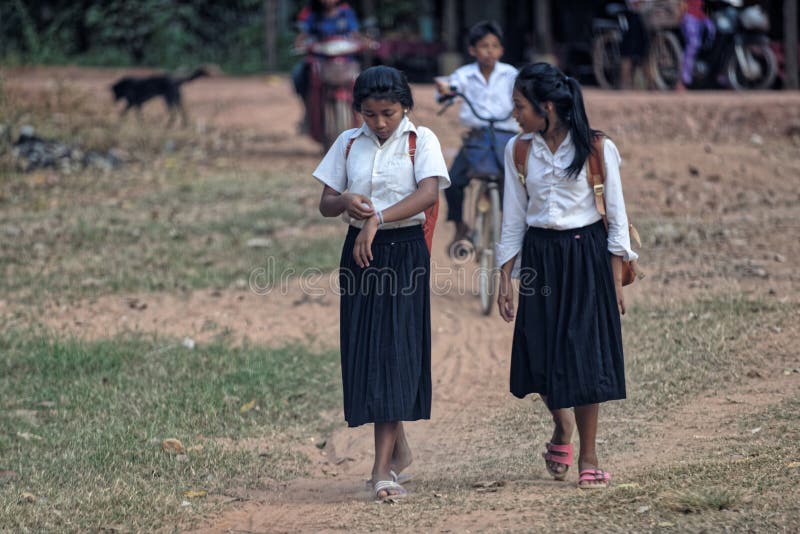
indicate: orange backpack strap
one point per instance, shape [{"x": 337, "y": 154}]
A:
[
  {"x": 596, "y": 176},
  {"x": 522, "y": 152}
]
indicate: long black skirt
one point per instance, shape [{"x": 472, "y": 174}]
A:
[
  {"x": 385, "y": 329},
  {"x": 567, "y": 336}
]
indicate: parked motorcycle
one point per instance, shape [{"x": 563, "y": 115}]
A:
[
  {"x": 739, "y": 52},
  {"x": 332, "y": 71}
]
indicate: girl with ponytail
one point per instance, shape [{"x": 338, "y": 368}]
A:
[{"x": 567, "y": 337}]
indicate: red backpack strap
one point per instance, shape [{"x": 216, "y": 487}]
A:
[
  {"x": 412, "y": 145},
  {"x": 432, "y": 213},
  {"x": 349, "y": 146}
]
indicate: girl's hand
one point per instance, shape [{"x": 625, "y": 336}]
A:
[
  {"x": 620, "y": 299},
  {"x": 362, "y": 250},
  {"x": 358, "y": 207},
  {"x": 505, "y": 297},
  {"x": 616, "y": 267}
]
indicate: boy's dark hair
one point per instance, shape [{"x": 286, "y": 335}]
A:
[
  {"x": 382, "y": 83},
  {"x": 542, "y": 82},
  {"x": 484, "y": 28},
  {"x": 318, "y": 7}
]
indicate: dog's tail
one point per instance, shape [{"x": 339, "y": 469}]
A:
[{"x": 193, "y": 76}]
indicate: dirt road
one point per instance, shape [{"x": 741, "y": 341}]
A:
[{"x": 712, "y": 177}]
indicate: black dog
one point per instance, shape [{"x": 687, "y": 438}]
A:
[{"x": 137, "y": 91}]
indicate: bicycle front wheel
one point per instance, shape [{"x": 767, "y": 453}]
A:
[{"x": 490, "y": 235}]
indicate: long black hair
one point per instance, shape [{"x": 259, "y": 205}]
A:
[
  {"x": 382, "y": 83},
  {"x": 542, "y": 82}
]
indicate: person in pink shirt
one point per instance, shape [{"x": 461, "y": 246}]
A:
[{"x": 693, "y": 22}]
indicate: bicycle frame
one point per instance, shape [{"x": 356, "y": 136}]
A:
[{"x": 487, "y": 211}]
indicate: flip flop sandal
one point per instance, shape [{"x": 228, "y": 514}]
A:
[
  {"x": 563, "y": 458},
  {"x": 590, "y": 479},
  {"x": 402, "y": 478},
  {"x": 387, "y": 486}
]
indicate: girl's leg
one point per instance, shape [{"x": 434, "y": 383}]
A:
[
  {"x": 401, "y": 455},
  {"x": 562, "y": 433},
  {"x": 385, "y": 439},
  {"x": 586, "y": 418}
]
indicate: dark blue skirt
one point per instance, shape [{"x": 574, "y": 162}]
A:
[
  {"x": 385, "y": 329},
  {"x": 567, "y": 336}
]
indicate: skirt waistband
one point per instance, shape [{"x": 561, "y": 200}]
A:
[
  {"x": 392, "y": 235},
  {"x": 544, "y": 233}
]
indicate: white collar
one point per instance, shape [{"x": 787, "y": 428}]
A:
[{"x": 404, "y": 126}]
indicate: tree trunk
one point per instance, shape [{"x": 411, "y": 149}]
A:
[
  {"x": 271, "y": 35},
  {"x": 790, "y": 43},
  {"x": 544, "y": 39}
]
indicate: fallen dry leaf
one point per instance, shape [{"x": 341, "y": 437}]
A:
[
  {"x": 628, "y": 485},
  {"x": 194, "y": 494},
  {"x": 793, "y": 465},
  {"x": 246, "y": 407},
  {"x": 27, "y": 497},
  {"x": 172, "y": 445}
]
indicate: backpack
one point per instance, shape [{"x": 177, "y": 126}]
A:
[
  {"x": 432, "y": 213},
  {"x": 596, "y": 176}
]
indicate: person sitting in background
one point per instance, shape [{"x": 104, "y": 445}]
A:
[
  {"x": 488, "y": 84},
  {"x": 320, "y": 20}
]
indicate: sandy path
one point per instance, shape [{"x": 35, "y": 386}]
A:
[{"x": 471, "y": 352}]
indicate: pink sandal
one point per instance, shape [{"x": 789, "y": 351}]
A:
[
  {"x": 593, "y": 479},
  {"x": 563, "y": 458}
]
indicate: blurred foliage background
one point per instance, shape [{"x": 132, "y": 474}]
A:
[{"x": 164, "y": 33}]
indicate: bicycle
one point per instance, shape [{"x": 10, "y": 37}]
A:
[
  {"x": 488, "y": 171},
  {"x": 663, "y": 62}
]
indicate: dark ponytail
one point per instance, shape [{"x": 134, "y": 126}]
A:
[{"x": 542, "y": 82}]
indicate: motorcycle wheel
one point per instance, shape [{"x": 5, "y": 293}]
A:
[
  {"x": 765, "y": 58},
  {"x": 606, "y": 59},
  {"x": 338, "y": 118},
  {"x": 665, "y": 60}
]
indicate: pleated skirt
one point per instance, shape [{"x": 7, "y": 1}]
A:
[
  {"x": 567, "y": 336},
  {"x": 385, "y": 329}
]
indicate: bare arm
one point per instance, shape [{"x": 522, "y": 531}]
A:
[
  {"x": 423, "y": 198},
  {"x": 616, "y": 267},
  {"x": 505, "y": 293},
  {"x": 332, "y": 203}
]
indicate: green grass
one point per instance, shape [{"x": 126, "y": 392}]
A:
[
  {"x": 81, "y": 427},
  {"x": 182, "y": 237},
  {"x": 178, "y": 215}
]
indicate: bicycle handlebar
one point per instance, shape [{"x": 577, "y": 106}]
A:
[{"x": 449, "y": 99}]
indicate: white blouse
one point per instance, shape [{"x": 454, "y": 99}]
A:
[
  {"x": 384, "y": 173},
  {"x": 557, "y": 201}
]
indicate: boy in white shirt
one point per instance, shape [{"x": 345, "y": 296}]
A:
[{"x": 488, "y": 84}]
